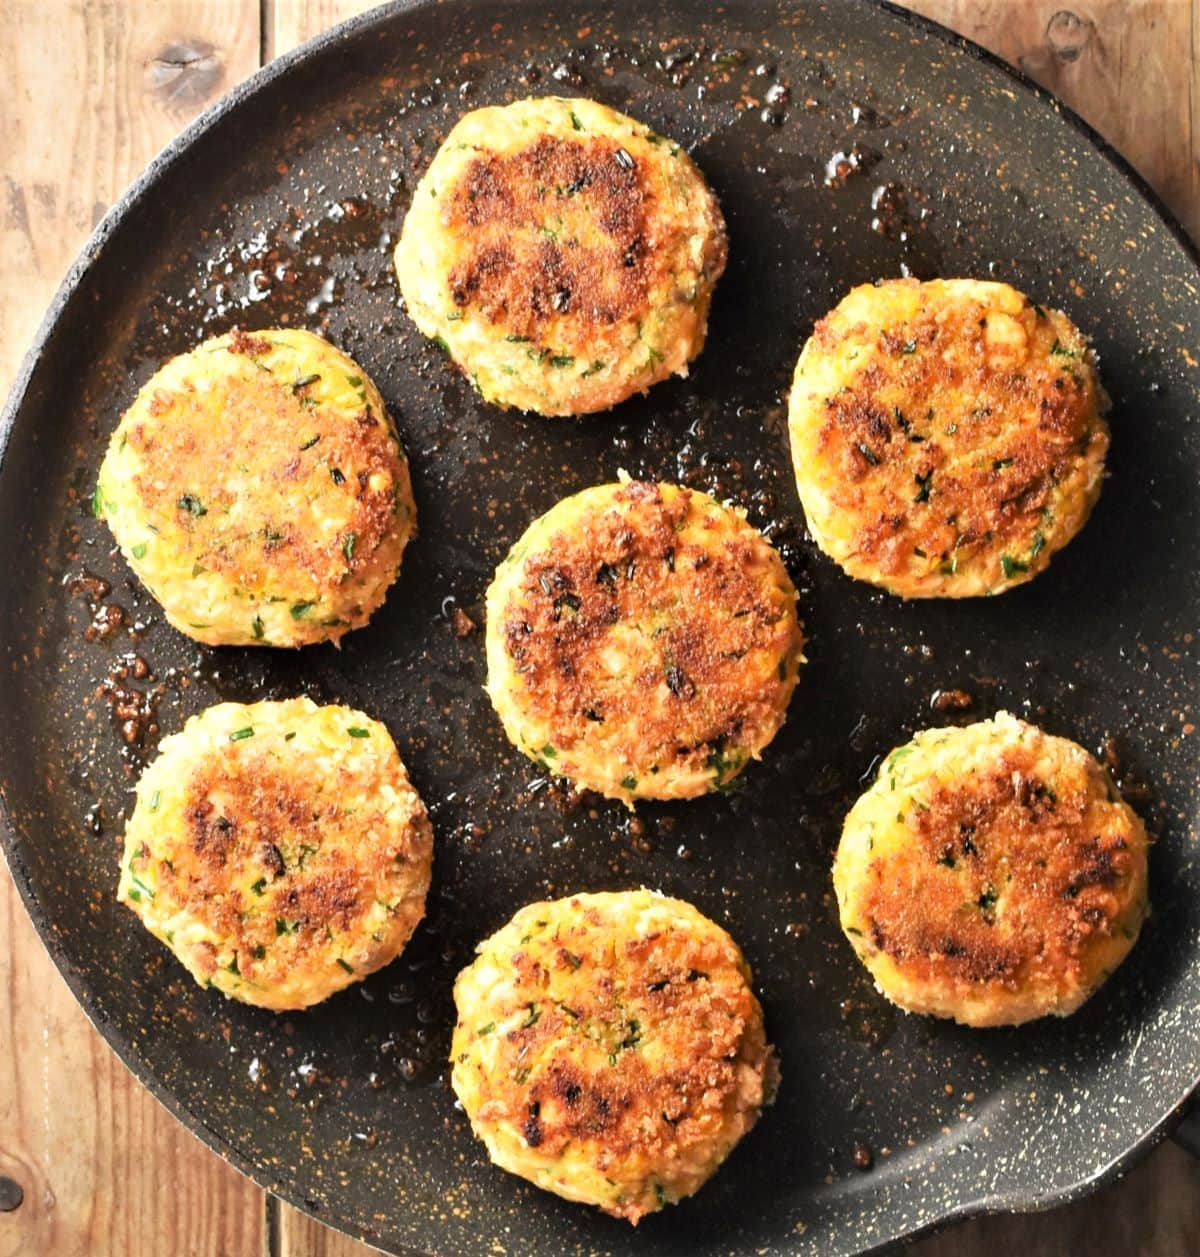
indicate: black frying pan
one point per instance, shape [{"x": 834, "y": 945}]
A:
[{"x": 303, "y": 176}]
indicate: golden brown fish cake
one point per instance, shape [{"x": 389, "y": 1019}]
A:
[
  {"x": 991, "y": 874},
  {"x": 642, "y": 641},
  {"x": 563, "y": 254},
  {"x": 609, "y": 1049},
  {"x": 946, "y": 436},
  {"x": 259, "y": 490},
  {"x": 279, "y": 850}
]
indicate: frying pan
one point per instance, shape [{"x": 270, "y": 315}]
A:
[{"x": 846, "y": 143}]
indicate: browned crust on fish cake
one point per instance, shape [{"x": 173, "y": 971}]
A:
[
  {"x": 633, "y": 1054},
  {"x": 1006, "y": 880},
  {"x": 728, "y": 615},
  {"x": 251, "y": 821},
  {"x": 260, "y": 426},
  {"x": 594, "y": 268}
]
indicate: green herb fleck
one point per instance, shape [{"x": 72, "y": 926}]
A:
[
  {"x": 311, "y": 442},
  {"x": 259, "y": 886},
  {"x": 336, "y": 476},
  {"x": 348, "y": 968},
  {"x": 139, "y": 551},
  {"x": 561, "y": 360},
  {"x": 598, "y": 364},
  {"x": 548, "y": 751},
  {"x": 925, "y": 484},
  {"x": 1000, "y": 463},
  {"x": 257, "y": 628},
  {"x": 301, "y": 609},
  {"x": 349, "y": 544},
  {"x": 356, "y": 732},
  {"x": 285, "y": 927},
  {"x": 987, "y": 900},
  {"x": 155, "y": 800},
  {"x": 240, "y": 735},
  {"x": 192, "y": 504},
  {"x": 440, "y": 342},
  {"x": 1010, "y": 566},
  {"x": 1039, "y": 544},
  {"x": 868, "y": 453},
  {"x": 575, "y": 121},
  {"x": 532, "y": 1018},
  {"x": 491, "y": 1025},
  {"x": 629, "y": 782}
]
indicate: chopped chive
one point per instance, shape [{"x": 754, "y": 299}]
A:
[
  {"x": 349, "y": 544},
  {"x": 98, "y": 503},
  {"x": 348, "y": 968},
  {"x": 139, "y": 551},
  {"x": 259, "y": 952},
  {"x": 491, "y": 1025},
  {"x": 1000, "y": 463},
  {"x": 355, "y": 731},
  {"x": 440, "y": 342},
  {"x": 192, "y": 504},
  {"x": 925, "y": 483},
  {"x": 259, "y": 886},
  {"x": 575, "y": 121},
  {"x": 629, "y": 782},
  {"x": 868, "y": 453},
  {"x": 300, "y": 609},
  {"x": 257, "y": 628},
  {"x": 548, "y": 751},
  {"x": 1039, "y": 544},
  {"x": 155, "y": 800},
  {"x": 311, "y": 442},
  {"x": 1011, "y": 566},
  {"x": 336, "y": 476},
  {"x": 240, "y": 735},
  {"x": 598, "y": 364},
  {"x": 140, "y": 885},
  {"x": 303, "y": 382},
  {"x": 532, "y": 1018},
  {"x": 562, "y": 360}
]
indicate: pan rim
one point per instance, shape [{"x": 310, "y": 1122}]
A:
[{"x": 1017, "y": 1200}]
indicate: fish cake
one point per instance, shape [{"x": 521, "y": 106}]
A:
[
  {"x": 562, "y": 254},
  {"x": 947, "y": 437},
  {"x": 609, "y": 1048},
  {"x": 259, "y": 491},
  {"x": 279, "y": 850},
  {"x": 642, "y": 641},
  {"x": 992, "y": 874}
]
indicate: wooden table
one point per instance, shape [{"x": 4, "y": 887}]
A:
[{"x": 92, "y": 89}]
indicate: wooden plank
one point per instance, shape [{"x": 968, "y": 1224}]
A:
[
  {"x": 287, "y": 23},
  {"x": 92, "y": 92},
  {"x": 1129, "y": 67}
]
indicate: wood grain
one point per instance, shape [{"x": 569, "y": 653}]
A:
[
  {"x": 93, "y": 90},
  {"x": 1128, "y": 67}
]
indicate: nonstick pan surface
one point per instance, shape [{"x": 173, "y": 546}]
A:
[{"x": 846, "y": 143}]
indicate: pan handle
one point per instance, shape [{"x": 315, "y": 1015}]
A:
[{"x": 1187, "y": 1133}]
